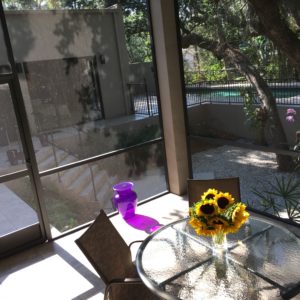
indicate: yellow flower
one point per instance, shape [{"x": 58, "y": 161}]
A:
[
  {"x": 217, "y": 222},
  {"x": 195, "y": 222},
  {"x": 217, "y": 214},
  {"x": 233, "y": 228},
  {"x": 206, "y": 230},
  {"x": 206, "y": 208},
  {"x": 209, "y": 194},
  {"x": 224, "y": 200},
  {"x": 240, "y": 215}
]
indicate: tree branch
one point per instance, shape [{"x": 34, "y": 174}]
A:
[{"x": 277, "y": 30}]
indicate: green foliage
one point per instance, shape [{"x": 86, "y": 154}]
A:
[
  {"x": 214, "y": 71},
  {"x": 192, "y": 77},
  {"x": 249, "y": 108},
  {"x": 53, "y": 4},
  {"x": 209, "y": 68},
  {"x": 272, "y": 70},
  {"x": 281, "y": 196},
  {"x": 62, "y": 214},
  {"x": 257, "y": 116},
  {"x": 137, "y": 35},
  {"x": 264, "y": 55},
  {"x": 83, "y": 4},
  {"x": 139, "y": 48}
]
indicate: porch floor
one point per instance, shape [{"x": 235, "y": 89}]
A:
[{"x": 58, "y": 270}]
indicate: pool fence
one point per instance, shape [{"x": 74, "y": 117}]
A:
[{"x": 144, "y": 101}]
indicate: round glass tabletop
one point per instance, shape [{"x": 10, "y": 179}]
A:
[{"x": 262, "y": 262}]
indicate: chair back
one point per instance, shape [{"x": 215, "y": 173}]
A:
[
  {"x": 106, "y": 250},
  {"x": 196, "y": 187}
]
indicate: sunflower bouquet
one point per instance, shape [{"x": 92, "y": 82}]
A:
[{"x": 217, "y": 214}]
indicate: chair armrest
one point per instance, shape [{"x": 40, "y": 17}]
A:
[
  {"x": 134, "y": 250},
  {"x": 138, "y": 241}
]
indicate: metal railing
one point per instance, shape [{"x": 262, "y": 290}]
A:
[
  {"x": 142, "y": 100},
  {"x": 286, "y": 92}
]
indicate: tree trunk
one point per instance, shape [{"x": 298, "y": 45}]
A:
[{"x": 278, "y": 137}]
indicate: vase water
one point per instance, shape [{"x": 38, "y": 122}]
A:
[{"x": 219, "y": 243}]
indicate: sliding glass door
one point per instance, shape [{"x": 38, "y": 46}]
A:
[
  {"x": 20, "y": 213},
  {"x": 89, "y": 102}
]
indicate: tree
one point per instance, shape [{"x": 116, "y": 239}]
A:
[{"x": 220, "y": 27}]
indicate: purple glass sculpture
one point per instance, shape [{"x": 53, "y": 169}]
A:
[{"x": 125, "y": 199}]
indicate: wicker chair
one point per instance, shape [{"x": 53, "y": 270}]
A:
[
  {"x": 111, "y": 257},
  {"x": 196, "y": 187}
]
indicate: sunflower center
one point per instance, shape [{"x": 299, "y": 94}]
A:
[
  {"x": 223, "y": 202},
  {"x": 209, "y": 196},
  {"x": 207, "y": 209}
]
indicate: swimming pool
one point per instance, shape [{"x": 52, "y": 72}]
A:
[
  {"x": 288, "y": 96},
  {"x": 277, "y": 92}
]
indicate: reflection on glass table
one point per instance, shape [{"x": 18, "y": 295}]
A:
[{"x": 262, "y": 262}]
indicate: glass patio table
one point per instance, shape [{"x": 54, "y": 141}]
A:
[{"x": 262, "y": 262}]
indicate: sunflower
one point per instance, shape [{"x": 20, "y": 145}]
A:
[
  {"x": 206, "y": 230},
  {"x": 233, "y": 228},
  {"x": 239, "y": 217},
  {"x": 209, "y": 194},
  {"x": 224, "y": 200},
  {"x": 195, "y": 223},
  {"x": 218, "y": 221},
  {"x": 206, "y": 208},
  {"x": 216, "y": 214}
]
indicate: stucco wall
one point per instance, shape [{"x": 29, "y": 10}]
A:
[
  {"x": 58, "y": 34},
  {"x": 138, "y": 72},
  {"x": 229, "y": 121}
]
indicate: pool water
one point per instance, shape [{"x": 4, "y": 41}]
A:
[{"x": 278, "y": 93}]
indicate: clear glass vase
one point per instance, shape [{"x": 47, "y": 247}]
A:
[{"x": 219, "y": 243}]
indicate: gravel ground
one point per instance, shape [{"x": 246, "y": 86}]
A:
[{"x": 254, "y": 168}]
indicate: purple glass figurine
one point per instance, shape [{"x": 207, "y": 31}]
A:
[{"x": 125, "y": 199}]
